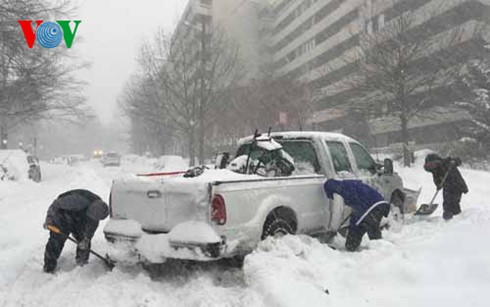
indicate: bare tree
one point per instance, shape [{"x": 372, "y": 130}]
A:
[
  {"x": 475, "y": 85},
  {"x": 35, "y": 83},
  {"x": 279, "y": 102},
  {"x": 190, "y": 80},
  {"x": 393, "y": 67},
  {"x": 151, "y": 125}
]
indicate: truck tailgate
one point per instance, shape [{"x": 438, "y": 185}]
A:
[{"x": 159, "y": 205}]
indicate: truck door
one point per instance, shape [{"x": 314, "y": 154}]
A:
[
  {"x": 342, "y": 166},
  {"x": 366, "y": 170}
]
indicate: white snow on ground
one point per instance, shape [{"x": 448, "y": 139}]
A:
[{"x": 426, "y": 262}]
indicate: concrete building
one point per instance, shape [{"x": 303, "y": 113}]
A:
[
  {"x": 237, "y": 19},
  {"x": 315, "y": 41}
]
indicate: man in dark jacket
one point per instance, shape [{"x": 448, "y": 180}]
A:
[
  {"x": 368, "y": 208},
  {"x": 453, "y": 186},
  {"x": 76, "y": 212}
]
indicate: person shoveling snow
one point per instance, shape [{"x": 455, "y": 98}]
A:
[
  {"x": 368, "y": 208},
  {"x": 448, "y": 178},
  {"x": 77, "y": 212}
]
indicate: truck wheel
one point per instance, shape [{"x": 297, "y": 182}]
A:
[{"x": 276, "y": 227}]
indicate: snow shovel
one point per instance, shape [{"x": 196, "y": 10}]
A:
[
  {"x": 428, "y": 209},
  {"x": 109, "y": 263}
]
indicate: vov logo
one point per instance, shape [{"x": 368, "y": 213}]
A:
[{"x": 49, "y": 34}]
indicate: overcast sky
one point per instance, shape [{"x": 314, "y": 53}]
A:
[{"x": 112, "y": 32}]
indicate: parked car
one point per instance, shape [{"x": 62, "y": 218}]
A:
[
  {"x": 17, "y": 164},
  {"x": 223, "y": 214},
  {"x": 111, "y": 159}
]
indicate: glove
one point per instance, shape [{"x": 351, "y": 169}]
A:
[
  {"x": 84, "y": 244},
  {"x": 47, "y": 222}
]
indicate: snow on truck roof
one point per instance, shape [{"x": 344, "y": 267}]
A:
[{"x": 331, "y": 136}]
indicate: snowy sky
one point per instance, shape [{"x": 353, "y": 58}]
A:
[{"x": 112, "y": 32}]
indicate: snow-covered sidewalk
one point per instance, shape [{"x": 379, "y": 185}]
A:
[{"x": 426, "y": 262}]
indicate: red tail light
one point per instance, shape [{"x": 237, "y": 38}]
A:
[{"x": 218, "y": 210}]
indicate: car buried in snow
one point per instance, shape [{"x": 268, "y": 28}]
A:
[{"x": 223, "y": 213}]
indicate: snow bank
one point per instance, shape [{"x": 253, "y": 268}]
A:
[
  {"x": 127, "y": 228},
  {"x": 427, "y": 262},
  {"x": 170, "y": 164},
  {"x": 193, "y": 232},
  {"x": 15, "y": 161}
]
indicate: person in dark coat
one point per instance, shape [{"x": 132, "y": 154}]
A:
[
  {"x": 368, "y": 208},
  {"x": 76, "y": 212},
  {"x": 454, "y": 185}
]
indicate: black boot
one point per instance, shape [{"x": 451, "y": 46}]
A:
[{"x": 447, "y": 215}]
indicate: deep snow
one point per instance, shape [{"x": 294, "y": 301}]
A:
[{"x": 424, "y": 262}]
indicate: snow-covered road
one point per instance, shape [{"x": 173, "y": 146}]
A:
[{"x": 426, "y": 262}]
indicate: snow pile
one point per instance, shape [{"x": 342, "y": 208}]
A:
[
  {"x": 126, "y": 228},
  {"x": 170, "y": 164},
  {"x": 15, "y": 162},
  {"x": 193, "y": 232},
  {"x": 427, "y": 262}
]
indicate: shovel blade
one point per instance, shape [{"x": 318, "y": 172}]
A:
[{"x": 426, "y": 209}]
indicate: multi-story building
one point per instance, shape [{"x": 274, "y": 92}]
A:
[
  {"x": 316, "y": 41},
  {"x": 236, "y": 19}
]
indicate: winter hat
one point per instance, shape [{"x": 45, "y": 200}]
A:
[
  {"x": 432, "y": 161},
  {"x": 97, "y": 210},
  {"x": 332, "y": 186}
]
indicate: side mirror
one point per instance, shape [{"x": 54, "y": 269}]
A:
[
  {"x": 222, "y": 160},
  {"x": 388, "y": 167}
]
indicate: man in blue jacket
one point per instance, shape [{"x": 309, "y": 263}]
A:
[{"x": 368, "y": 208}]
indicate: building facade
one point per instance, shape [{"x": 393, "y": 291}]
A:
[
  {"x": 236, "y": 19},
  {"x": 316, "y": 40}
]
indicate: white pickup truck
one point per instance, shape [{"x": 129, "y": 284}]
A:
[{"x": 222, "y": 213}]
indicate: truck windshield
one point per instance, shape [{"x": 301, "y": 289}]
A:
[{"x": 302, "y": 151}]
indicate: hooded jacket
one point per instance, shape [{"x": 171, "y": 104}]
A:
[
  {"x": 78, "y": 207},
  {"x": 439, "y": 167},
  {"x": 359, "y": 196}
]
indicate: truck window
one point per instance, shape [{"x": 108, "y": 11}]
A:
[
  {"x": 304, "y": 155},
  {"x": 363, "y": 158},
  {"x": 340, "y": 159},
  {"x": 302, "y": 151}
]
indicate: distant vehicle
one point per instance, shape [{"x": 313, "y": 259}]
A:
[
  {"x": 16, "y": 164},
  {"x": 98, "y": 154},
  {"x": 111, "y": 159}
]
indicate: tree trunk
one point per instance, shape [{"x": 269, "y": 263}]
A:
[
  {"x": 3, "y": 137},
  {"x": 405, "y": 140},
  {"x": 201, "y": 141},
  {"x": 192, "y": 151}
]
